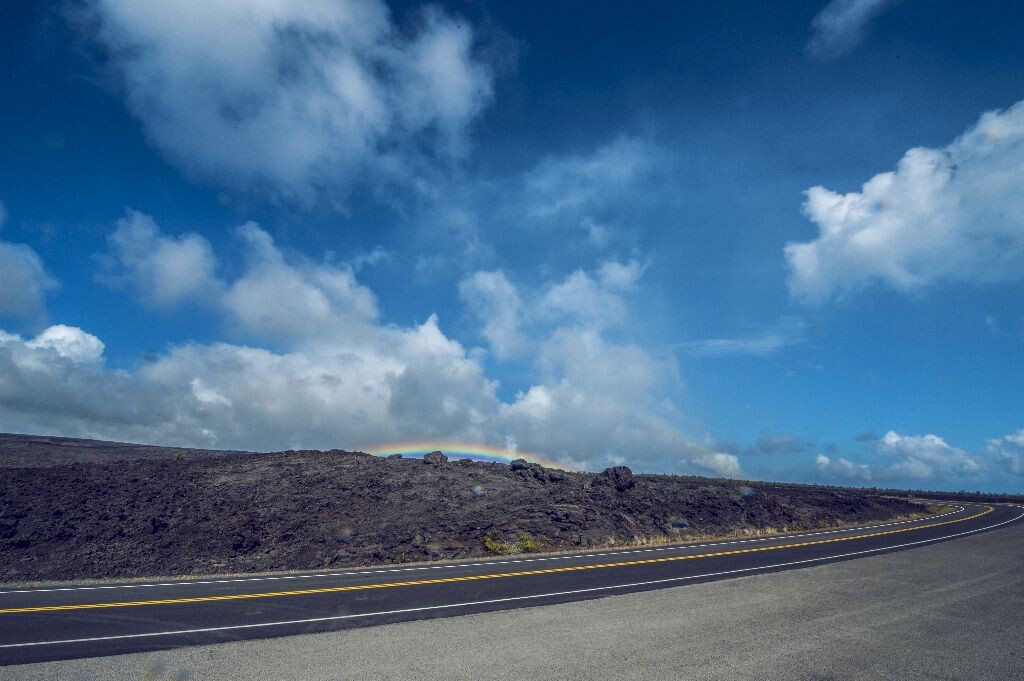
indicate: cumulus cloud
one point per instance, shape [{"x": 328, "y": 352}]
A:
[
  {"x": 23, "y": 279},
  {"x": 70, "y": 343},
  {"x": 952, "y": 214},
  {"x": 319, "y": 369},
  {"x": 164, "y": 270},
  {"x": 922, "y": 457},
  {"x": 301, "y": 98},
  {"x": 842, "y": 469},
  {"x": 584, "y": 301},
  {"x": 725, "y": 465},
  {"x": 585, "y": 405},
  {"x": 842, "y": 25},
  {"x": 273, "y": 298},
  {"x": 298, "y": 300},
  {"x": 406, "y": 382}
]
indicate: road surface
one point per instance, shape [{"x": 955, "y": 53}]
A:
[{"x": 73, "y": 622}]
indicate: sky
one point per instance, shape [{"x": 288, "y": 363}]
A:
[{"x": 779, "y": 241}]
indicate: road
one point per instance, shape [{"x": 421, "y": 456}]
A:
[{"x": 75, "y": 622}]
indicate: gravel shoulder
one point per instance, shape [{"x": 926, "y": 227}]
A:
[{"x": 947, "y": 611}]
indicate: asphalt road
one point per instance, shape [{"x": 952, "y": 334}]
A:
[{"x": 75, "y": 622}]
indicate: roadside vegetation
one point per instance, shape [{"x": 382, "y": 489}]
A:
[{"x": 523, "y": 543}]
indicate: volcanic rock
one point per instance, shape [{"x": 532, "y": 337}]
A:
[
  {"x": 143, "y": 517},
  {"x": 619, "y": 477},
  {"x": 529, "y": 469},
  {"x": 435, "y": 458}
]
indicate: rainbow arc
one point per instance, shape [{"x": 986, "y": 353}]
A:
[{"x": 461, "y": 450}]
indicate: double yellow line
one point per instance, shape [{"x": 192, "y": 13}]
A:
[{"x": 473, "y": 578}]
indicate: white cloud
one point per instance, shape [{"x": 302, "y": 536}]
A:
[
  {"x": 164, "y": 270},
  {"x": 725, "y": 465},
  {"x": 23, "y": 280},
  {"x": 586, "y": 302},
  {"x": 920, "y": 457},
  {"x": 70, "y": 343},
  {"x": 492, "y": 297},
  {"x": 931, "y": 462},
  {"x": 587, "y": 360},
  {"x": 788, "y": 332},
  {"x": 842, "y": 469},
  {"x": 273, "y": 298},
  {"x": 57, "y": 383},
  {"x": 584, "y": 299},
  {"x": 279, "y": 299},
  {"x": 1009, "y": 451},
  {"x": 618, "y": 276},
  {"x": 949, "y": 214},
  {"x": 403, "y": 383},
  {"x": 298, "y": 97},
  {"x": 841, "y": 26}
]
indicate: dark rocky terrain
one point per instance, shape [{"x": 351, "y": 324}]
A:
[
  {"x": 189, "y": 514},
  {"x": 46, "y": 450}
]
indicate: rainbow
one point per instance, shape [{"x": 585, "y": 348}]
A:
[{"x": 461, "y": 450}]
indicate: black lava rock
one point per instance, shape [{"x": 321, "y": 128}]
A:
[
  {"x": 435, "y": 458},
  {"x": 619, "y": 477}
]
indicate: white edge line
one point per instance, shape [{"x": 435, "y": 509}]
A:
[
  {"x": 505, "y": 600},
  {"x": 324, "y": 575}
]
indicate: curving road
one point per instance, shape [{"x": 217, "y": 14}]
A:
[{"x": 85, "y": 621}]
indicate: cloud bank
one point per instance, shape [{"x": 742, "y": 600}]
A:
[
  {"x": 319, "y": 369},
  {"x": 928, "y": 461}
]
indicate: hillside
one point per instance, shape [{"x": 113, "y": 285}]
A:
[
  {"x": 309, "y": 510},
  {"x": 32, "y": 451}
]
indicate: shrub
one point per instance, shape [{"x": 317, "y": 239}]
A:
[
  {"x": 524, "y": 543},
  {"x": 496, "y": 545},
  {"x": 527, "y": 544}
]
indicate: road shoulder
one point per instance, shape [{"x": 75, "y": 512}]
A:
[{"x": 948, "y": 611}]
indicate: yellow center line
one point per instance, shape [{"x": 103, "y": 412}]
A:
[{"x": 472, "y": 578}]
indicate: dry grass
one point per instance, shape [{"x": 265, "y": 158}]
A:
[{"x": 684, "y": 538}]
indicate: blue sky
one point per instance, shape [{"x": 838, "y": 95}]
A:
[{"x": 766, "y": 240}]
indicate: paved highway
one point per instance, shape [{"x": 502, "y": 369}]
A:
[{"x": 85, "y": 621}]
